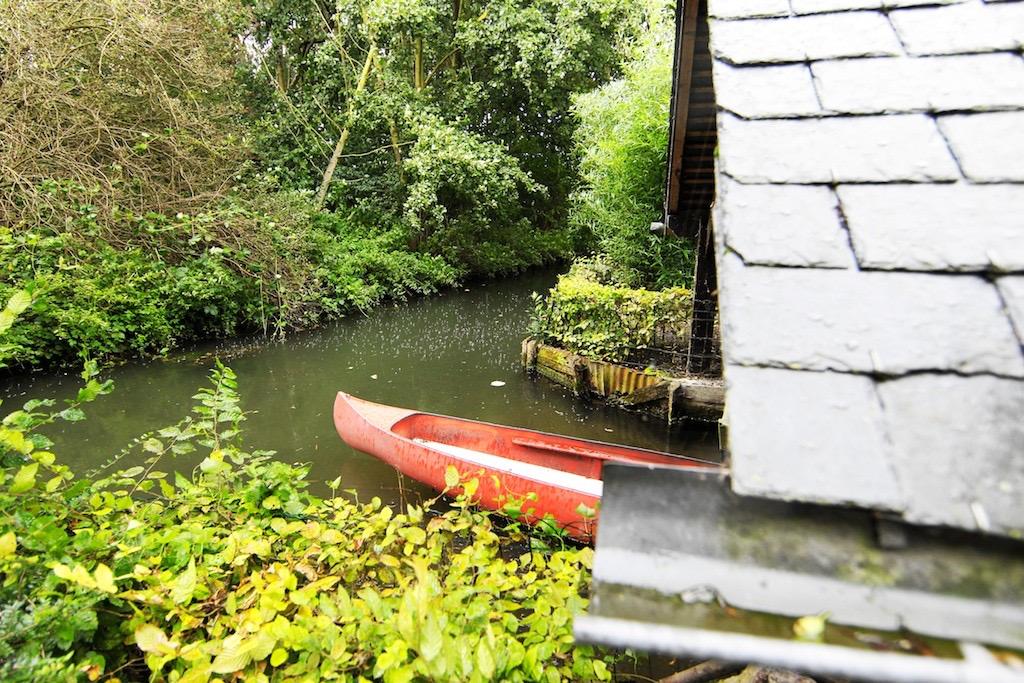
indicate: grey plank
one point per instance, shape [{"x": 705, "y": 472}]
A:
[
  {"x": 906, "y": 147},
  {"x": 957, "y": 446},
  {"x": 686, "y": 534},
  {"x": 634, "y": 625},
  {"x": 792, "y": 225},
  {"x": 907, "y": 84},
  {"x": 959, "y": 227},
  {"x": 887, "y": 323},
  {"x": 811, "y": 436}
]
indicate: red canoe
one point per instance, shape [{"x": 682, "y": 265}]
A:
[{"x": 509, "y": 463}]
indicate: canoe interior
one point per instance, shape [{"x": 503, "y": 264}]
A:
[{"x": 576, "y": 456}]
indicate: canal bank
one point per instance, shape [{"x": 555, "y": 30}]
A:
[{"x": 437, "y": 354}]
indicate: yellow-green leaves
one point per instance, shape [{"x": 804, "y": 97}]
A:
[
  {"x": 102, "y": 578},
  {"x": 16, "y": 305},
  {"x": 485, "y": 659},
  {"x": 811, "y": 628},
  {"x": 25, "y": 479},
  {"x": 414, "y": 535},
  {"x": 14, "y": 440},
  {"x": 451, "y": 477},
  {"x": 392, "y": 658},
  {"x": 210, "y": 582},
  {"x": 152, "y": 639},
  {"x": 8, "y": 544},
  {"x": 185, "y": 585},
  {"x": 234, "y": 656},
  {"x": 584, "y": 315}
]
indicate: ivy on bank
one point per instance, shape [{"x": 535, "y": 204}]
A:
[{"x": 238, "y": 572}]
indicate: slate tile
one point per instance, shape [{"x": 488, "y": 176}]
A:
[
  {"x": 989, "y": 147},
  {"x": 765, "y": 91},
  {"x": 905, "y": 84},
  {"x": 796, "y": 39},
  {"x": 745, "y": 9},
  {"x": 810, "y": 436},
  {"x": 955, "y": 29},
  {"x": 790, "y": 225},
  {"x": 821, "y": 6},
  {"x": 904, "y": 147},
  {"x": 959, "y": 227},
  {"x": 887, "y": 323},
  {"x": 957, "y": 445},
  {"x": 1012, "y": 289}
]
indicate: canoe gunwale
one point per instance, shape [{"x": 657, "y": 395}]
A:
[{"x": 684, "y": 460}]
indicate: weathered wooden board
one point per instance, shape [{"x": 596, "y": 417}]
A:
[{"x": 667, "y": 397}]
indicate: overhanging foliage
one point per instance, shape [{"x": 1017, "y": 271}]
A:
[{"x": 237, "y": 572}]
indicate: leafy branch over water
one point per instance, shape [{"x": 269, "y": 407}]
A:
[{"x": 237, "y": 571}]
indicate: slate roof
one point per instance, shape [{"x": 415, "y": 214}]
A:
[{"x": 870, "y": 243}]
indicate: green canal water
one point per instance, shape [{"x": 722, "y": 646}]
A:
[{"x": 437, "y": 354}]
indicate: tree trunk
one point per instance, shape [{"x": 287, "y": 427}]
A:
[
  {"x": 396, "y": 149},
  {"x": 349, "y": 118},
  {"x": 418, "y": 65}
]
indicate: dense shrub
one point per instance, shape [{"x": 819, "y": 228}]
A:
[
  {"x": 238, "y": 572},
  {"x": 132, "y": 285},
  {"x": 623, "y": 145},
  {"x": 461, "y": 132},
  {"x": 161, "y": 165},
  {"x": 585, "y": 314},
  {"x": 133, "y": 98}
]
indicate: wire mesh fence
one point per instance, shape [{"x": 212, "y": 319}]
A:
[{"x": 696, "y": 351}]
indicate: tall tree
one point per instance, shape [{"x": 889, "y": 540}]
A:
[{"x": 375, "y": 85}]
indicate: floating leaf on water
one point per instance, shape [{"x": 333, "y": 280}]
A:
[{"x": 497, "y": 383}]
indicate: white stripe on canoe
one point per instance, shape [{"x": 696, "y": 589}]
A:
[{"x": 545, "y": 475}]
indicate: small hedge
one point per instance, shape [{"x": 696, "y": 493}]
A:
[{"x": 587, "y": 316}]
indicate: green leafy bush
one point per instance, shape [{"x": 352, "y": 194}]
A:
[
  {"x": 130, "y": 285},
  {"x": 462, "y": 128},
  {"x": 622, "y": 141},
  {"x": 238, "y": 572},
  {"x": 586, "y": 315},
  {"x": 466, "y": 199},
  {"x": 92, "y": 300}
]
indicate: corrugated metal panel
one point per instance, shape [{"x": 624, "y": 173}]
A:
[{"x": 608, "y": 379}]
